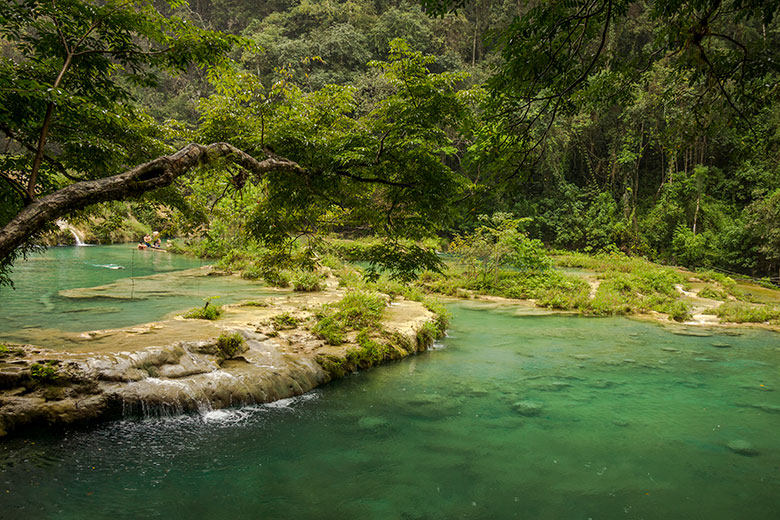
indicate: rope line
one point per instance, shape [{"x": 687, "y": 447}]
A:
[
  {"x": 132, "y": 280},
  {"x": 775, "y": 280}
]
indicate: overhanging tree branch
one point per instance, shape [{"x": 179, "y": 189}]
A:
[
  {"x": 155, "y": 174},
  {"x": 373, "y": 180}
]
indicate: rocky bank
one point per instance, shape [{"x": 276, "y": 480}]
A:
[{"x": 178, "y": 365}]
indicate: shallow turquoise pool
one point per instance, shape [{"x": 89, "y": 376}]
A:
[
  {"x": 41, "y": 299},
  {"x": 533, "y": 417}
]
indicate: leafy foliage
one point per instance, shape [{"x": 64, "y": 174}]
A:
[
  {"x": 362, "y": 170},
  {"x": 737, "y": 312},
  {"x": 44, "y": 372},
  {"x": 207, "y": 312},
  {"x": 69, "y": 70},
  {"x": 69, "y": 67},
  {"x": 498, "y": 243},
  {"x": 307, "y": 281},
  {"x": 602, "y": 126}
]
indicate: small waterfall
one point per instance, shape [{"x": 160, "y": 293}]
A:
[
  {"x": 155, "y": 397},
  {"x": 64, "y": 225}
]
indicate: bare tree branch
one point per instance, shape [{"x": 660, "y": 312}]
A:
[
  {"x": 48, "y": 158},
  {"x": 15, "y": 185}
]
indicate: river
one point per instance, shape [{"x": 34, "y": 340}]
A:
[
  {"x": 139, "y": 286},
  {"x": 514, "y": 415}
]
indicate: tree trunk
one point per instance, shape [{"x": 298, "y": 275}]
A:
[
  {"x": 155, "y": 174},
  {"x": 474, "y": 44},
  {"x": 45, "y": 128}
]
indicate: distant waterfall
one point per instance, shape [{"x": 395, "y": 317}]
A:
[{"x": 64, "y": 225}]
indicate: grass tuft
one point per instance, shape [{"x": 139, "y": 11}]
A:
[
  {"x": 230, "y": 344},
  {"x": 307, "y": 281},
  {"x": 284, "y": 321},
  {"x": 739, "y": 312},
  {"x": 209, "y": 312}
]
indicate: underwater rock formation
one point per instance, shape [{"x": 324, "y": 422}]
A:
[{"x": 742, "y": 447}]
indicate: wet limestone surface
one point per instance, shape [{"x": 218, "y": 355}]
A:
[{"x": 174, "y": 366}]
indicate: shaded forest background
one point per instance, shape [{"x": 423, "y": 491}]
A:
[{"x": 671, "y": 155}]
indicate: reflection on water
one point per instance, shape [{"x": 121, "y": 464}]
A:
[
  {"x": 128, "y": 287},
  {"x": 534, "y": 417}
]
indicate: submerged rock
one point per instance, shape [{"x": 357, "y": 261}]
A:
[
  {"x": 553, "y": 386},
  {"x": 476, "y": 392},
  {"x": 373, "y": 423},
  {"x": 768, "y": 408},
  {"x": 690, "y": 383},
  {"x": 603, "y": 383},
  {"x": 694, "y": 333},
  {"x": 742, "y": 447},
  {"x": 431, "y": 406},
  {"x": 527, "y": 408},
  {"x": 759, "y": 388}
]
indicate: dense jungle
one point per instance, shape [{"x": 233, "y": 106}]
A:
[
  {"x": 642, "y": 128},
  {"x": 217, "y": 215}
]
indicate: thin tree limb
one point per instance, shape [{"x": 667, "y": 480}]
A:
[{"x": 16, "y": 185}]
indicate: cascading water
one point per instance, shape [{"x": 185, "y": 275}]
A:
[{"x": 64, "y": 225}]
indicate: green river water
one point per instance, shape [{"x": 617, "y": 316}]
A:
[
  {"x": 37, "y": 301},
  {"x": 632, "y": 421}
]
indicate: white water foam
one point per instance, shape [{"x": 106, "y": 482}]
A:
[
  {"x": 227, "y": 417},
  {"x": 107, "y": 266},
  {"x": 289, "y": 402}
]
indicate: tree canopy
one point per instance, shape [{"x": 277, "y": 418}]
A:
[
  {"x": 649, "y": 127},
  {"x": 70, "y": 76},
  {"x": 376, "y": 168},
  {"x": 66, "y": 71}
]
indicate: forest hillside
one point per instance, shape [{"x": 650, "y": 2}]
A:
[{"x": 647, "y": 128}]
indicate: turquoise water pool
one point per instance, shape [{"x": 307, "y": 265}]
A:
[
  {"x": 43, "y": 296},
  {"x": 512, "y": 416}
]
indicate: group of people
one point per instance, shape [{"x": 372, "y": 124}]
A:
[{"x": 152, "y": 241}]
